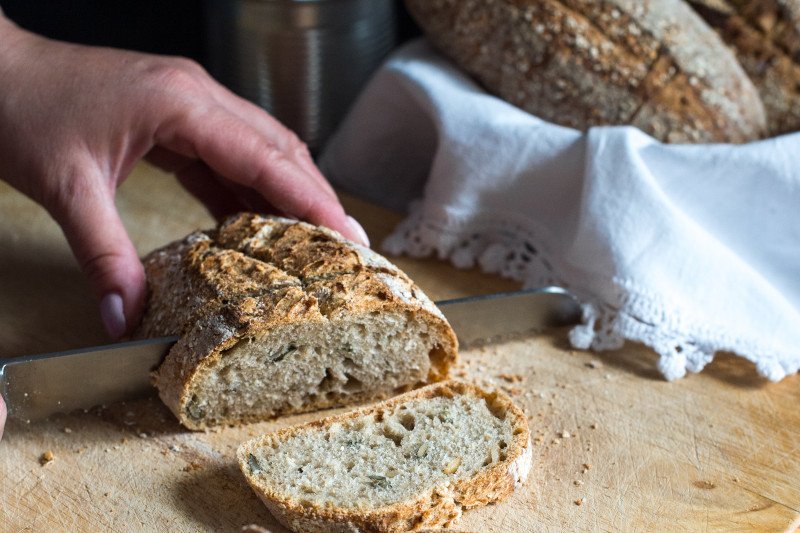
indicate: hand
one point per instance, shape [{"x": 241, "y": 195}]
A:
[
  {"x": 76, "y": 119},
  {"x": 2, "y": 416}
]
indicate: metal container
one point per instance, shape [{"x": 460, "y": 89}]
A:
[{"x": 304, "y": 61}]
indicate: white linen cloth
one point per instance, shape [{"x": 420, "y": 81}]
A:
[{"x": 690, "y": 249}]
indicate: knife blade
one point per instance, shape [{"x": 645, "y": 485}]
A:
[
  {"x": 503, "y": 313},
  {"x": 37, "y": 386}
]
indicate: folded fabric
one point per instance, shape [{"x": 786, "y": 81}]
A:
[{"x": 689, "y": 249}]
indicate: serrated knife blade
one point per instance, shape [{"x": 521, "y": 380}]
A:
[{"x": 37, "y": 386}]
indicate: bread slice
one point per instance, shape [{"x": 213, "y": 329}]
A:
[
  {"x": 408, "y": 463},
  {"x": 653, "y": 64},
  {"x": 277, "y": 316}
]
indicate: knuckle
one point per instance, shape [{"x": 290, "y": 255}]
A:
[
  {"x": 97, "y": 267},
  {"x": 189, "y": 65},
  {"x": 273, "y": 162},
  {"x": 300, "y": 148},
  {"x": 292, "y": 144},
  {"x": 312, "y": 207},
  {"x": 292, "y": 140},
  {"x": 105, "y": 268},
  {"x": 178, "y": 75},
  {"x": 277, "y": 164},
  {"x": 174, "y": 78}
]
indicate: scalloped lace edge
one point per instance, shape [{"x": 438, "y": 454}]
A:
[{"x": 511, "y": 250}]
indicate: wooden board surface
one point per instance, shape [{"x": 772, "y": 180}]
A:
[{"x": 615, "y": 447}]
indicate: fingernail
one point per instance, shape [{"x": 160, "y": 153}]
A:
[
  {"x": 358, "y": 230},
  {"x": 112, "y": 314}
]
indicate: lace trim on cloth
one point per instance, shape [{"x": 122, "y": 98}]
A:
[{"x": 514, "y": 251}]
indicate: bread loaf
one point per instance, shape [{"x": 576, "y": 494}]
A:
[
  {"x": 650, "y": 63},
  {"x": 409, "y": 463},
  {"x": 277, "y": 316},
  {"x": 765, "y": 35}
]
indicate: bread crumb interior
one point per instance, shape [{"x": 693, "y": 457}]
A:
[
  {"x": 386, "y": 457},
  {"x": 308, "y": 366}
]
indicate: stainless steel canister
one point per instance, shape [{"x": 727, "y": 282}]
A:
[{"x": 302, "y": 60}]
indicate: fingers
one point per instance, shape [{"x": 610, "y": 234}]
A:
[
  {"x": 245, "y": 148},
  {"x": 3, "y": 414},
  {"x": 201, "y": 182},
  {"x": 221, "y": 197},
  {"x": 271, "y": 128},
  {"x": 242, "y": 153},
  {"x": 91, "y": 224}
]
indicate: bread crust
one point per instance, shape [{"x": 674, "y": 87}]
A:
[
  {"x": 653, "y": 64},
  {"x": 254, "y": 274},
  {"x": 766, "y": 39},
  {"x": 438, "y": 506}
]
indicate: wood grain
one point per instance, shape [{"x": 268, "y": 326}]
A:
[{"x": 718, "y": 451}]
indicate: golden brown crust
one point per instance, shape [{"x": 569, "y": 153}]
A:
[
  {"x": 766, "y": 39},
  {"x": 580, "y": 63},
  {"x": 439, "y": 506},
  {"x": 254, "y": 274},
  {"x": 778, "y": 20}
]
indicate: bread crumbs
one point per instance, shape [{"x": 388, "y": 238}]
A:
[
  {"x": 191, "y": 467},
  {"x": 46, "y": 458},
  {"x": 253, "y": 528}
]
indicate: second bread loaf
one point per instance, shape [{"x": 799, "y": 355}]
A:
[
  {"x": 650, "y": 63},
  {"x": 766, "y": 39}
]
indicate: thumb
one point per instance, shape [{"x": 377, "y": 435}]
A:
[
  {"x": 94, "y": 230},
  {"x": 2, "y": 416}
]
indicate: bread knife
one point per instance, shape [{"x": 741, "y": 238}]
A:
[{"x": 37, "y": 386}]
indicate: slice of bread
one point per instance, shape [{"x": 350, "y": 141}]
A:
[
  {"x": 277, "y": 316},
  {"x": 409, "y": 463}
]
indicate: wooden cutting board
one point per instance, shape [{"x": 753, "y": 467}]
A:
[{"x": 616, "y": 448}]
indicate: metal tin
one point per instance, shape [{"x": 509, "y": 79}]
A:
[{"x": 304, "y": 61}]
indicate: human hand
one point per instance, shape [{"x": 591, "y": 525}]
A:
[
  {"x": 2, "y": 416},
  {"x": 76, "y": 119}
]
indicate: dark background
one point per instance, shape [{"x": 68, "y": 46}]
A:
[{"x": 174, "y": 27}]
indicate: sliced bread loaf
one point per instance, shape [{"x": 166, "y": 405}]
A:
[
  {"x": 408, "y": 463},
  {"x": 277, "y": 316}
]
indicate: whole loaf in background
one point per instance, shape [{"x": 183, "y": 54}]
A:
[
  {"x": 653, "y": 64},
  {"x": 765, "y": 35},
  {"x": 277, "y": 317}
]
